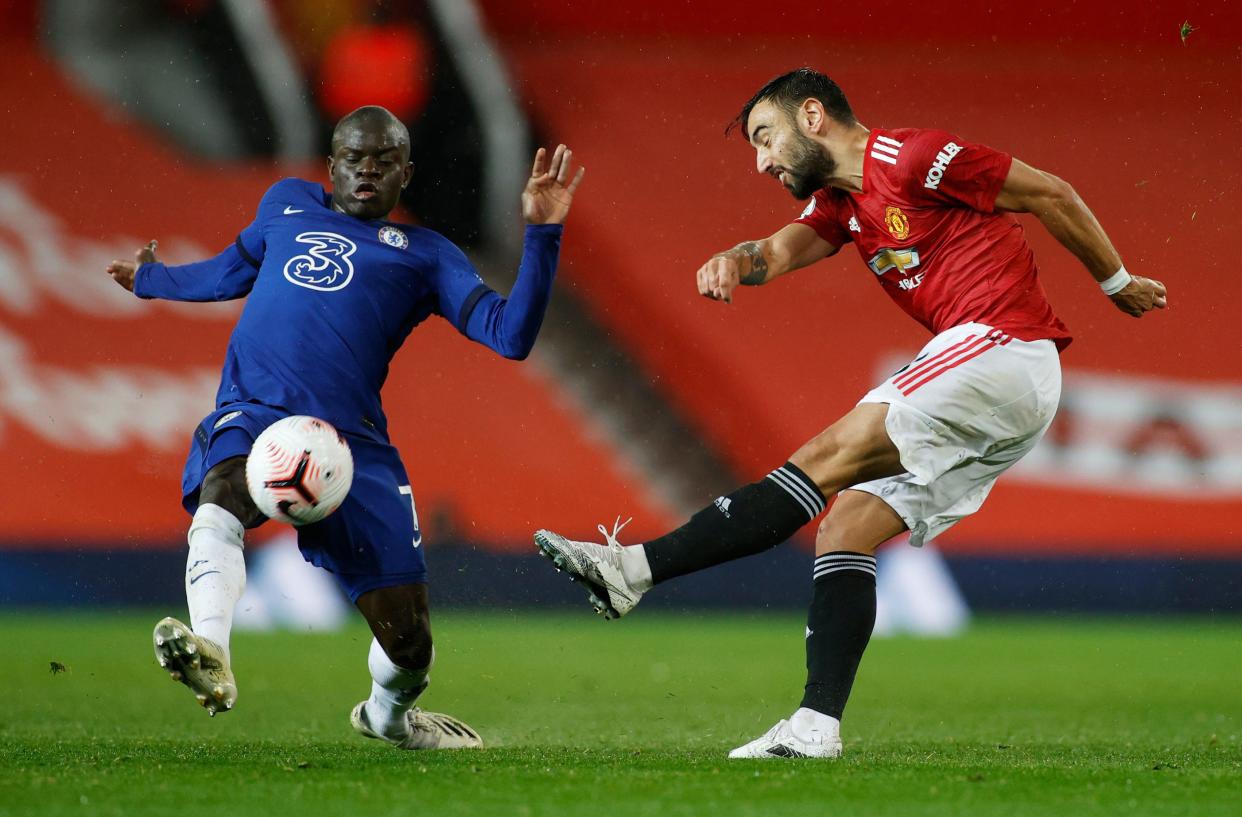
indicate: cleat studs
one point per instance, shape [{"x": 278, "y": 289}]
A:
[
  {"x": 176, "y": 676},
  {"x": 202, "y": 699},
  {"x": 159, "y": 641},
  {"x": 191, "y": 648},
  {"x": 218, "y": 692},
  {"x": 177, "y": 634},
  {"x": 196, "y": 663},
  {"x": 163, "y": 661},
  {"x": 211, "y": 711}
]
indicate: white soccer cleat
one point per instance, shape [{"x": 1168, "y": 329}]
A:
[
  {"x": 428, "y": 730},
  {"x": 597, "y": 567},
  {"x": 197, "y": 662},
  {"x": 782, "y": 741}
]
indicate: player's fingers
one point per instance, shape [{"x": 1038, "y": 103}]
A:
[
  {"x": 558, "y": 156},
  {"x": 536, "y": 169},
  {"x": 577, "y": 180},
  {"x": 562, "y": 175}
]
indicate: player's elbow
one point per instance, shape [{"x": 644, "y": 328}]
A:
[
  {"x": 1052, "y": 196},
  {"x": 1060, "y": 192},
  {"x": 515, "y": 348}
]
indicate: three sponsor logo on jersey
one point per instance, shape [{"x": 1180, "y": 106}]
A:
[{"x": 326, "y": 265}]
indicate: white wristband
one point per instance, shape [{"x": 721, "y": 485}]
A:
[{"x": 1116, "y": 282}]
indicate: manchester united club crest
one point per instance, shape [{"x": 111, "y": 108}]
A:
[
  {"x": 896, "y": 222},
  {"x": 393, "y": 237}
]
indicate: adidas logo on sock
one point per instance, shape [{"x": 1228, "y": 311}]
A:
[{"x": 722, "y": 503}]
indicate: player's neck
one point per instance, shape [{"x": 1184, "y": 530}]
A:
[{"x": 848, "y": 148}]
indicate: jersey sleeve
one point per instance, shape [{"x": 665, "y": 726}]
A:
[
  {"x": 223, "y": 278},
  {"x": 227, "y": 276},
  {"x": 823, "y": 215},
  {"x": 458, "y": 285},
  {"x": 949, "y": 170}
]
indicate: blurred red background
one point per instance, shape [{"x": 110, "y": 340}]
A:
[{"x": 98, "y": 393}]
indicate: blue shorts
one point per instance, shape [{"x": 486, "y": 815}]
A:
[{"x": 372, "y": 541}]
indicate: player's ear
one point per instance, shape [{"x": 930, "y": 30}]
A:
[
  {"x": 812, "y": 116},
  {"x": 331, "y": 164},
  {"x": 407, "y": 174}
]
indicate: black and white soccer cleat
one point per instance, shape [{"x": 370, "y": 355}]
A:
[
  {"x": 781, "y": 741},
  {"x": 596, "y": 567}
]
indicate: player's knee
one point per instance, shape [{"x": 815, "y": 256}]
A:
[
  {"x": 838, "y": 532},
  {"x": 225, "y": 486},
  {"x": 818, "y": 458}
]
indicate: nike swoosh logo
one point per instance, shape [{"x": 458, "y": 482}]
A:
[
  {"x": 291, "y": 210},
  {"x": 201, "y": 575}
]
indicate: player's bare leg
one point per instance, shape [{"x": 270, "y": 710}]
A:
[
  {"x": 198, "y": 655},
  {"x": 400, "y": 661},
  {"x": 839, "y": 625},
  {"x": 750, "y": 520}
]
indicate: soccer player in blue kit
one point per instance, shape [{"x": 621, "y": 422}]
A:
[{"x": 333, "y": 290}]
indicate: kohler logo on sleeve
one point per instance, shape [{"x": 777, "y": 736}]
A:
[{"x": 936, "y": 172}]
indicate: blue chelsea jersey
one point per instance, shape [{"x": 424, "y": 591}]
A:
[{"x": 331, "y": 299}]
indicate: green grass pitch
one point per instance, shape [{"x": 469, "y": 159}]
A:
[{"x": 1051, "y": 716}]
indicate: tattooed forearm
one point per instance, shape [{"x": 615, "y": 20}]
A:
[{"x": 758, "y": 264}]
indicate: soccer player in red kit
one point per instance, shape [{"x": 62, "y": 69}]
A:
[{"x": 930, "y": 215}]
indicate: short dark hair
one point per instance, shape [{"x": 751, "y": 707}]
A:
[
  {"x": 790, "y": 90},
  {"x": 370, "y": 116}
]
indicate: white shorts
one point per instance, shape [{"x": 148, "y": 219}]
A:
[{"x": 970, "y": 405}]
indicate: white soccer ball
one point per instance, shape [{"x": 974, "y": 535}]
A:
[{"x": 299, "y": 470}]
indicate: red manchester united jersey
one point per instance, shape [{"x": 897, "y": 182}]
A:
[{"x": 924, "y": 224}]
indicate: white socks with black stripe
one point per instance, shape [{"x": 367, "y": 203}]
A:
[{"x": 215, "y": 573}]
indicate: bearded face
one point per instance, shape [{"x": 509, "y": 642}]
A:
[{"x": 807, "y": 167}]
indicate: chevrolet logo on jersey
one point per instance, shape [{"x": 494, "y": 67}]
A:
[
  {"x": 896, "y": 222},
  {"x": 901, "y": 260}
]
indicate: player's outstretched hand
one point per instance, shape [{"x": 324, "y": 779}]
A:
[
  {"x": 123, "y": 271},
  {"x": 719, "y": 277},
  {"x": 550, "y": 190},
  {"x": 1140, "y": 296}
]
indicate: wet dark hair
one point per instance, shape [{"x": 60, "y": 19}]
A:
[{"x": 790, "y": 90}]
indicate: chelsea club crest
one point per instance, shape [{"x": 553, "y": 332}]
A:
[{"x": 393, "y": 237}]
